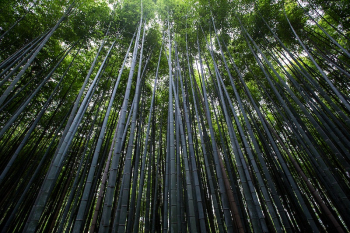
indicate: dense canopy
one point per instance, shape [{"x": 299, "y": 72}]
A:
[{"x": 174, "y": 116}]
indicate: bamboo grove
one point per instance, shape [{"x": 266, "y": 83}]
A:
[{"x": 175, "y": 116}]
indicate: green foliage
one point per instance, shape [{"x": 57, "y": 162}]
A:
[{"x": 274, "y": 156}]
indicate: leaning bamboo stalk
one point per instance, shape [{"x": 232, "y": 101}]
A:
[
  {"x": 107, "y": 208},
  {"x": 127, "y": 167},
  {"x": 31, "y": 59},
  {"x": 82, "y": 207},
  {"x": 335, "y": 90},
  {"x": 142, "y": 176}
]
